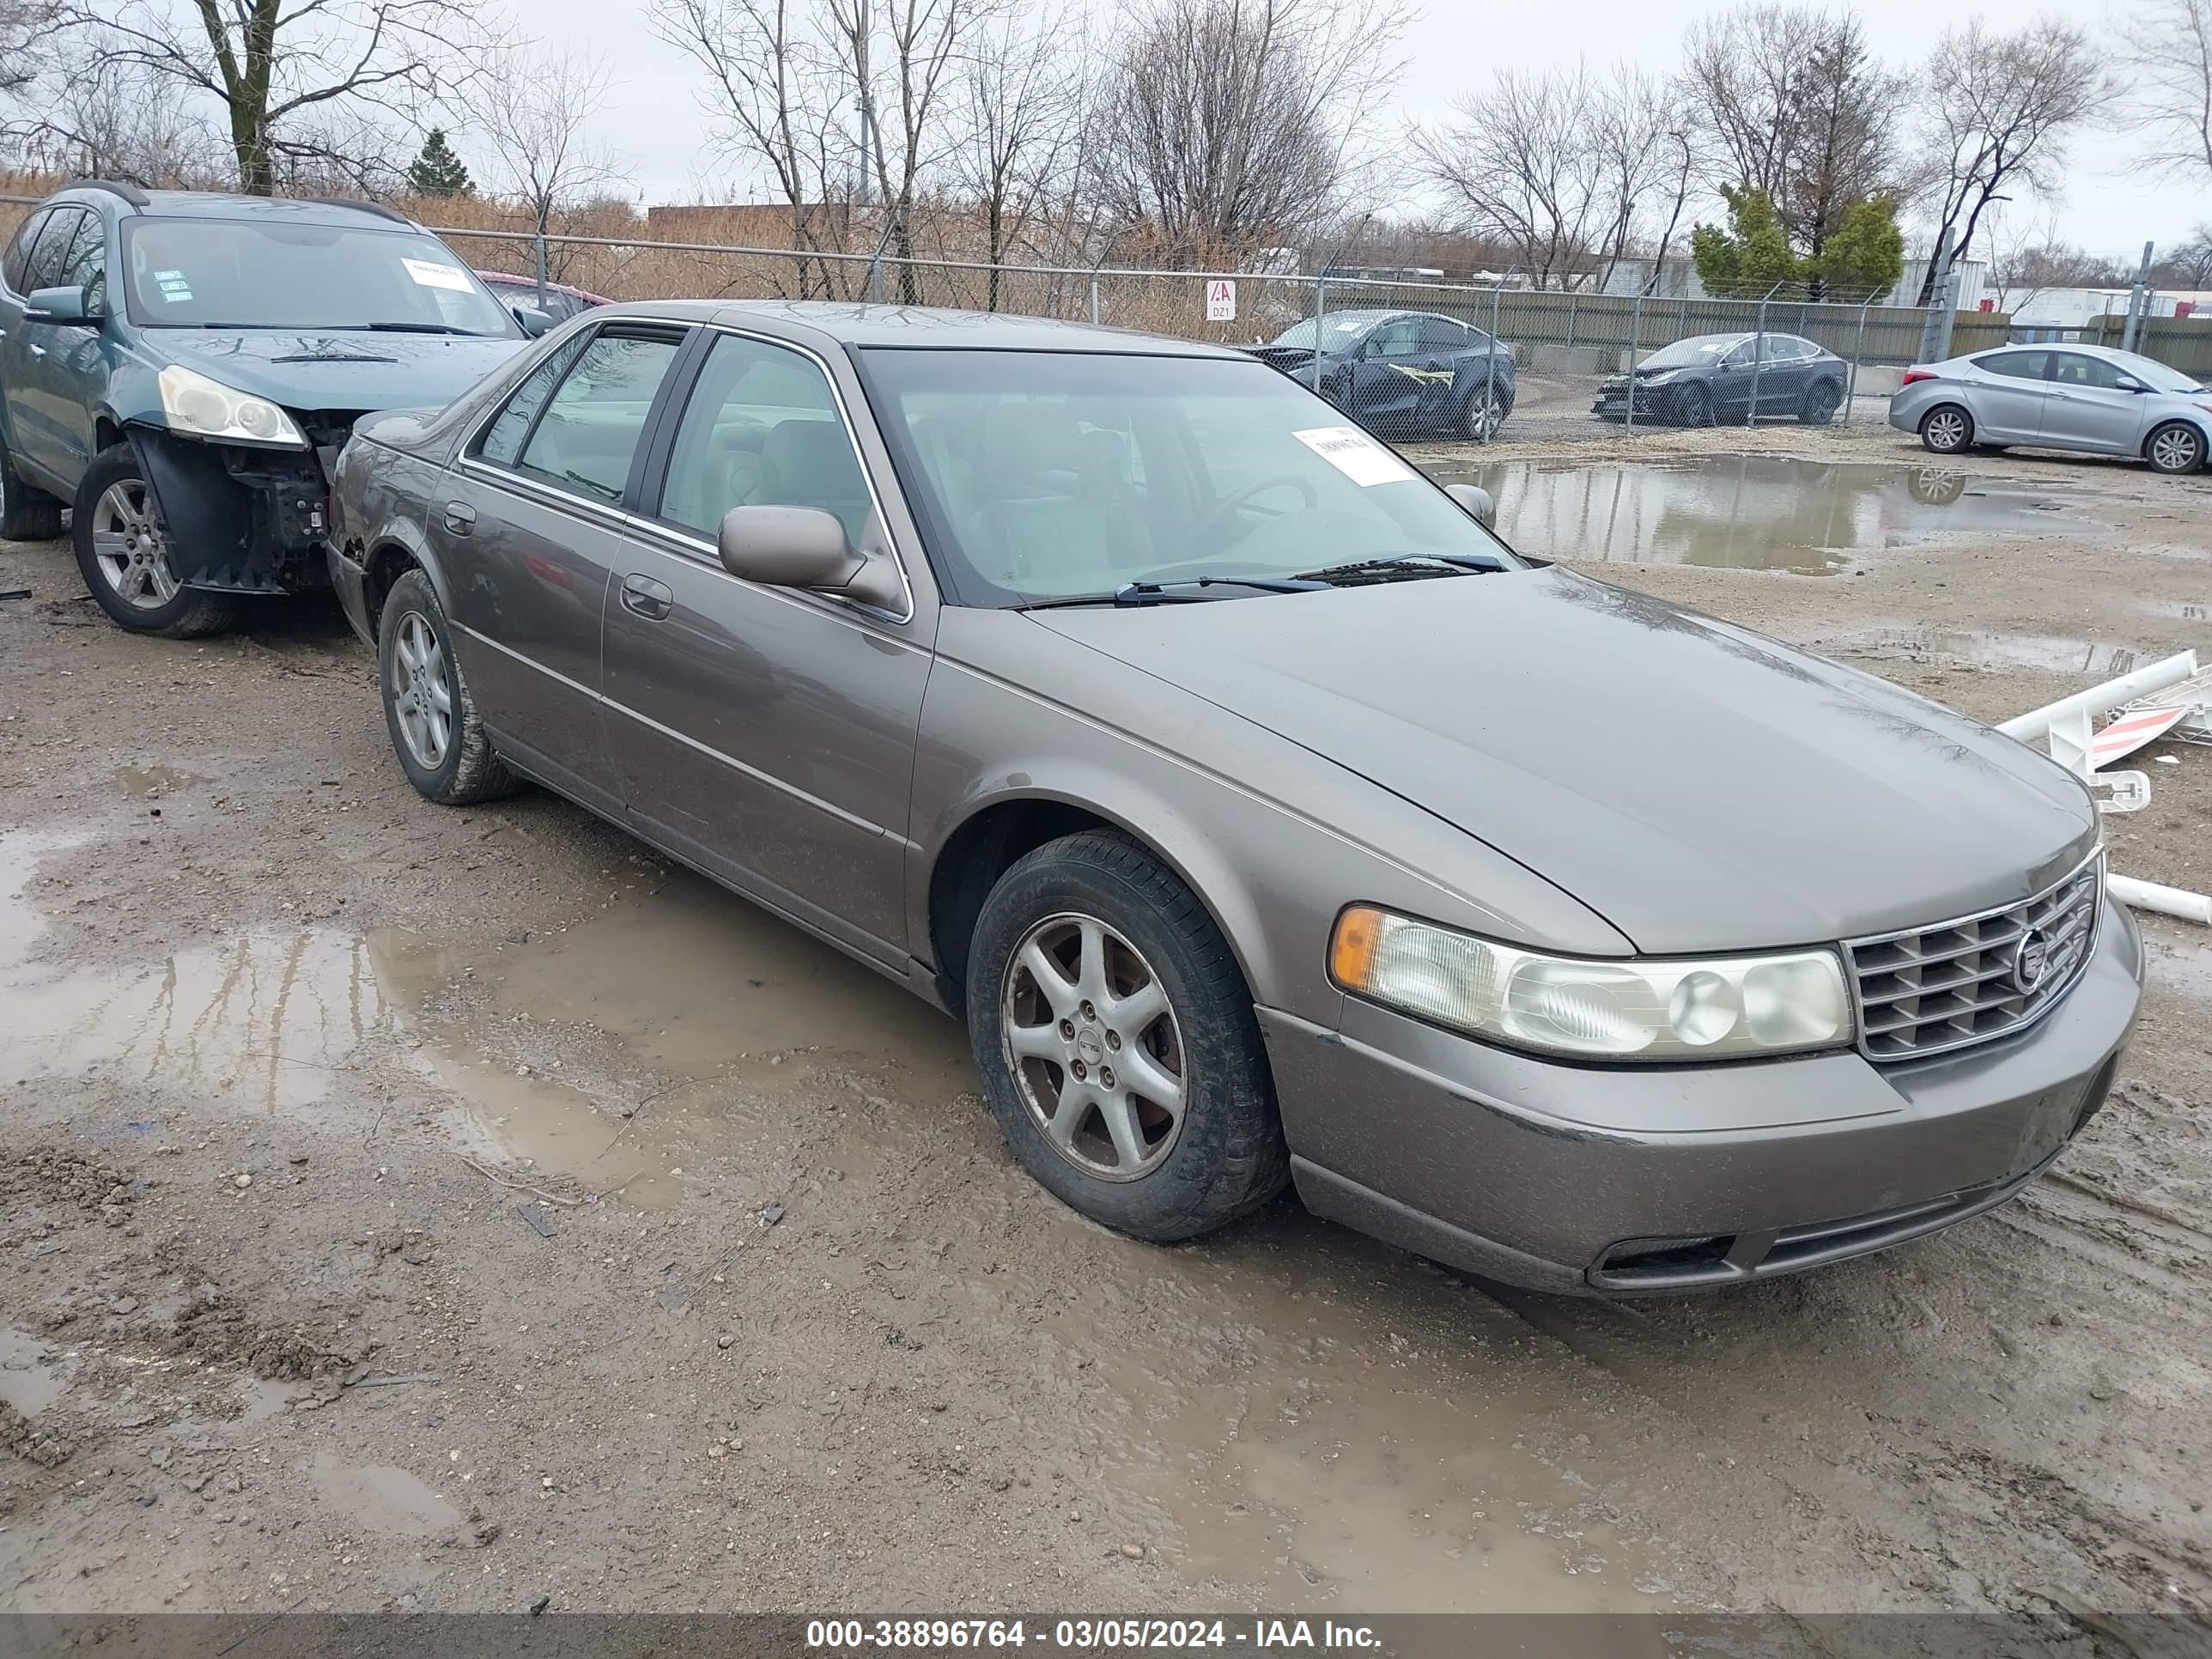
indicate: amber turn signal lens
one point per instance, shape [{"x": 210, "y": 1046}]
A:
[{"x": 1352, "y": 949}]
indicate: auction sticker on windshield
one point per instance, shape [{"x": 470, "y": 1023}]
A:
[
  {"x": 431, "y": 275},
  {"x": 1355, "y": 454}
]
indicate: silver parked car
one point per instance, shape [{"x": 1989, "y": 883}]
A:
[
  {"x": 1264, "y": 818},
  {"x": 2090, "y": 399}
]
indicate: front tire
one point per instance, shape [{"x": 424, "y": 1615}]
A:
[
  {"x": 2175, "y": 448},
  {"x": 1947, "y": 429},
  {"x": 26, "y": 514},
  {"x": 1117, "y": 1045},
  {"x": 122, "y": 553},
  {"x": 1694, "y": 405},
  {"x": 435, "y": 730}
]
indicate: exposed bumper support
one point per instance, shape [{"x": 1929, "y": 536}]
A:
[{"x": 239, "y": 521}]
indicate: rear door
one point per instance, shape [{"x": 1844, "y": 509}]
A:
[
  {"x": 2085, "y": 408},
  {"x": 1784, "y": 369},
  {"x": 529, "y": 533},
  {"x": 2008, "y": 395},
  {"x": 765, "y": 732}
]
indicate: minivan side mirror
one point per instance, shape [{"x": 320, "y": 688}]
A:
[
  {"x": 534, "y": 322},
  {"x": 805, "y": 547},
  {"x": 1479, "y": 504},
  {"x": 59, "y": 304}
]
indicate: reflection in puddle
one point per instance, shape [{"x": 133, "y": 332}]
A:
[
  {"x": 143, "y": 782},
  {"x": 1753, "y": 512},
  {"x": 1979, "y": 648}
]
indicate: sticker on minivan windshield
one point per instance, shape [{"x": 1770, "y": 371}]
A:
[
  {"x": 173, "y": 285},
  {"x": 1355, "y": 454},
  {"x": 432, "y": 275}
]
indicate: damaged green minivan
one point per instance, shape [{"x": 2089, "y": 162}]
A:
[{"x": 181, "y": 369}]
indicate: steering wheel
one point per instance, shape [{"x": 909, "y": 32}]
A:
[{"x": 1236, "y": 503}]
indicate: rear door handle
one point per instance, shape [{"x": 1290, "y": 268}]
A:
[
  {"x": 460, "y": 518},
  {"x": 646, "y": 598}
]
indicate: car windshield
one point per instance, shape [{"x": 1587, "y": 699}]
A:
[
  {"x": 252, "y": 273},
  {"x": 1692, "y": 354},
  {"x": 1337, "y": 329},
  {"x": 1053, "y": 474},
  {"x": 2154, "y": 374}
]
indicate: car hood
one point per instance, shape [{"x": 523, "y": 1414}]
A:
[
  {"x": 1699, "y": 785},
  {"x": 343, "y": 369}
]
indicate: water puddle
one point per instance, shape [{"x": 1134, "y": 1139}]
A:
[
  {"x": 2183, "y": 967},
  {"x": 1756, "y": 513},
  {"x": 1968, "y": 648},
  {"x": 378, "y": 1497},
  {"x": 151, "y": 782},
  {"x": 28, "y": 1380}
]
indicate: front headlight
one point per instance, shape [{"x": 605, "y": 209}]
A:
[
  {"x": 1664, "y": 1009},
  {"x": 206, "y": 409},
  {"x": 1661, "y": 377}
]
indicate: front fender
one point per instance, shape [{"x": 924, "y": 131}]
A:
[{"x": 383, "y": 497}]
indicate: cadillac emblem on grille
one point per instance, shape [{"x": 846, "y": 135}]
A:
[{"x": 2032, "y": 961}]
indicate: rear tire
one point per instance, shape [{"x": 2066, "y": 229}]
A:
[
  {"x": 2175, "y": 448},
  {"x": 26, "y": 514},
  {"x": 1947, "y": 429},
  {"x": 122, "y": 555},
  {"x": 1091, "y": 954},
  {"x": 436, "y": 732},
  {"x": 1822, "y": 399}
]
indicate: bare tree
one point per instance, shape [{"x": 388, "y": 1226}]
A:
[
  {"x": 23, "y": 25},
  {"x": 2002, "y": 108},
  {"x": 101, "y": 119},
  {"x": 298, "y": 78},
  {"x": 2190, "y": 264},
  {"x": 1224, "y": 126},
  {"x": 1745, "y": 69},
  {"x": 2169, "y": 64},
  {"x": 1646, "y": 147},
  {"x": 530, "y": 114},
  {"x": 1021, "y": 108},
  {"x": 1516, "y": 165}
]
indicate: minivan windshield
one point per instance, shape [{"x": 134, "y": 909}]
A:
[
  {"x": 252, "y": 273},
  {"x": 1692, "y": 354},
  {"x": 1052, "y": 474}
]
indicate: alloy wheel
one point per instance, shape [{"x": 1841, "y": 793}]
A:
[
  {"x": 1094, "y": 1046},
  {"x": 1946, "y": 430},
  {"x": 423, "y": 691},
  {"x": 126, "y": 545},
  {"x": 2177, "y": 449}
]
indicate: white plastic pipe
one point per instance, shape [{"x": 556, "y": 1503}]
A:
[
  {"x": 2167, "y": 901},
  {"x": 2098, "y": 698}
]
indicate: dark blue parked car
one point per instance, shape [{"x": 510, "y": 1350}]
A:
[{"x": 1409, "y": 373}]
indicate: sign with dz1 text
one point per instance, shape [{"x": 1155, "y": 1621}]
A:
[{"x": 1220, "y": 300}]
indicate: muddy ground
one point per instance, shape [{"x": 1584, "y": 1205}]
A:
[{"x": 405, "y": 1207}]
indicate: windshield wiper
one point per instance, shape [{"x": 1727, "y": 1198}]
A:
[
  {"x": 1130, "y": 594},
  {"x": 422, "y": 328},
  {"x": 1408, "y": 567}
]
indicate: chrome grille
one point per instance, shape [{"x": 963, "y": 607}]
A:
[{"x": 1958, "y": 982}]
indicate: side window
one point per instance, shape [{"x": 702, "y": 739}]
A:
[
  {"x": 502, "y": 439},
  {"x": 2015, "y": 365},
  {"x": 1442, "y": 334},
  {"x": 1739, "y": 355},
  {"x": 45, "y": 268},
  {"x": 85, "y": 265},
  {"x": 591, "y": 427},
  {"x": 18, "y": 256},
  {"x": 763, "y": 428},
  {"x": 2071, "y": 368},
  {"x": 1394, "y": 339}
]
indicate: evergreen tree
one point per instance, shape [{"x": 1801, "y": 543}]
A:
[
  {"x": 436, "y": 171},
  {"x": 1864, "y": 255},
  {"x": 1748, "y": 256}
]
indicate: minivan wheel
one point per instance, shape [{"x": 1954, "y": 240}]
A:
[
  {"x": 2177, "y": 446},
  {"x": 435, "y": 730},
  {"x": 123, "y": 556},
  {"x": 1947, "y": 429},
  {"x": 1116, "y": 1042},
  {"x": 26, "y": 514}
]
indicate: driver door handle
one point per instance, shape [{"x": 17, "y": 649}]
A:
[{"x": 646, "y": 598}]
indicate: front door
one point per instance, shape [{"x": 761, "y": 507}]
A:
[
  {"x": 2008, "y": 402},
  {"x": 36, "y": 422},
  {"x": 1387, "y": 375},
  {"x": 66, "y": 364},
  {"x": 528, "y": 529},
  {"x": 767, "y": 733},
  {"x": 2085, "y": 408}
]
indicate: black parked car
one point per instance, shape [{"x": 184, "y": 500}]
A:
[
  {"x": 1708, "y": 381},
  {"x": 1409, "y": 373}
]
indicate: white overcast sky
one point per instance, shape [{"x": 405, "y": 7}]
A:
[{"x": 2108, "y": 206}]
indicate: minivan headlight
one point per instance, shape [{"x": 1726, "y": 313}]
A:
[
  {"x": 208, "y": 409},
  {"x": 1658, "y": 1008}
]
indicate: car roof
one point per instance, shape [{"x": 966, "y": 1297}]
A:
[
  {"x": 219, "y": 204},
  {"x": 915, "y": 326},
  {"x": 2109, "y": 354}
]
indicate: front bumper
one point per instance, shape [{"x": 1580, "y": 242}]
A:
[
  {"x": 350, "y": 583},
  {"x": 1658, "y": 401},
  {"x": 1621, "y": 1180}
]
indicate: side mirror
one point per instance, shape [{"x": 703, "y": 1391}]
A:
[
  {"x": 1478, "y": 502},
  {"x": 59, "y": 304},
  {"x": 534, "y": 322},
  {"x": 805, "y": 547},
  {"x": 2128, "y": 383}
]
